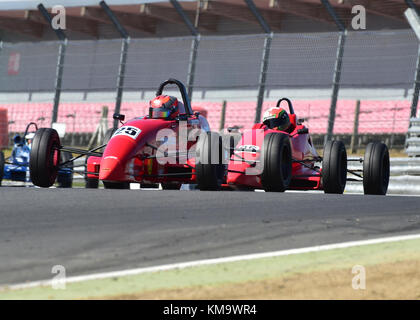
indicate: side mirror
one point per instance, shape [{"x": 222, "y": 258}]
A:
[{"x": 118, "y": 116}]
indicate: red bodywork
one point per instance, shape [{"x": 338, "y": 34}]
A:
[
  {"x": 132, "y": 158},
  {"x": 305, "y": 175}
]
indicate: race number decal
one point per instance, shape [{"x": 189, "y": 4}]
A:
[
  {"x": 248, "y": 148},
  {"x": 131, "y": 132}
]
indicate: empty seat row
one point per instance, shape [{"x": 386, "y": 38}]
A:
[{"x": 375, "y": 116}]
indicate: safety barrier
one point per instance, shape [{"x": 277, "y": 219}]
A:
[
  {"x": 412, "y": 143},
  {"x": 405, "y": 177}
]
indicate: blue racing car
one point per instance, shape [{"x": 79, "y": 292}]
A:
[{"x": 16, "y": 167}]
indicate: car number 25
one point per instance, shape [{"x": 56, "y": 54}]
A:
[{"x": 131, "y": 132}]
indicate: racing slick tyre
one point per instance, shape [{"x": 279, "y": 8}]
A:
[
  {"x": 116, "y": 185},
  {"x": 65, "y": 179},
  {"x": 334, "y": 167},
  {"x": 171, "y": 186},
  {"x": 376, "y": 169},
  {"x": 90, "y": 183},
  {"x": 149, "y": 185},
  {"x": 211, "y": 160},
  {"x": 44, "y": 157},
  {"x": 2, "y": 161},
  {"x": 277, "y": 170}
]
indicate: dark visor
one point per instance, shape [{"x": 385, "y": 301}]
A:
[
  {"x": 161, "y": 112},
  {"x": 274, "y": 122}
]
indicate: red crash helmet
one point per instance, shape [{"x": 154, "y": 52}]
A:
[
  {"x": 276, "y": 118},
  {"x": 164, "y": 107}
]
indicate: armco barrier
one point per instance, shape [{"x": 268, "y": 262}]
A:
[
  {"x": 405, "y": 177},
  {"x": 404, "y": 185},
  {"x": 412, "y": 143}
]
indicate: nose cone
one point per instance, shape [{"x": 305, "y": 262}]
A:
[{"x": 111, "y": 169}]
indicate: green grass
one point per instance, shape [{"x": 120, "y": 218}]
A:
[
  {"x": 227, "y": 273},
  {"x": 7, "y": 152}
]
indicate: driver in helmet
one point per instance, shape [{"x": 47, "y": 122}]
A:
[
  {"x": 17, "y": 140},
  {"x": 276, "y": 118},
  {"x": 165, "y": 107}
]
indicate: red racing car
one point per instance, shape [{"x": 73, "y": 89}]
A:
[
  {"x": 171, "y": 146},
  {"x": 276, "y": 159}
]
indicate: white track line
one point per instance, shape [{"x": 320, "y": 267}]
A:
[{"x": 189, "y": 264}]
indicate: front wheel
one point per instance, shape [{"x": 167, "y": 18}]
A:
[
  {"x": 170, "y": 186},
  {"x": 334, "y": 167},
  {"x": 65, "y": 175},
  {"x": 149, "y": 185},
  {"x": 91, "y": 183},
  {"x": 116, "y": 185},
  {"x": 45, "y": 157},
  {"x": 277, "y": 170},
  {"x": 211, "y": 160},
  {"x": 2, "y": 162},
  {"x": 376, "y": 169}
]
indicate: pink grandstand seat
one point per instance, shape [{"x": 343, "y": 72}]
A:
[{"x": 375, "y": 116}]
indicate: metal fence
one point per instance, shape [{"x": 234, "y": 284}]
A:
[{"x": 377, "y": 66}]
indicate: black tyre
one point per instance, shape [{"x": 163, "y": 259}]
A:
[
  {"x": 149, "y": 185},
  {"x": 376, "y": 169},
  {"x": 2, "y": 161},
  {"x": 44, "y": 157},
  {"x": 90, "y": 183},
  {"x": 277, "y": 170},
  {"x": 65, "y": 180},
  {"x": 116, "y": 185},
  {"x": 334, "y": 167},
  {"x": 171, "y": 186},
  {"x": 211, "y": 160},
  {"x": 18, "y": 176}
]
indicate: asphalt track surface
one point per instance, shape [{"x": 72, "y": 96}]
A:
[{"x": 89, "y": 231}]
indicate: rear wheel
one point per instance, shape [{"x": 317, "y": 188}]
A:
[
  {"x": 376, "y": 169},
  {"x": 211, "y": 160},
  {"x": 116, "y": 185},
  {"x": 334, "y": 167},
  {"x": 18, "y": 176},
  {"x": 44, "y": 157},
  {"x": 277, "y": 171},
  {"x": 149, "y": 185},
  {"x": 65, "y": 175},
  {"x": 2, "y": 162},
  {"x": 171, "y": 186},
  {"x": 90, "y": 183}
]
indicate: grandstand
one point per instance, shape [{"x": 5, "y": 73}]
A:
[
  {"x": 376, "y": 117},
  {"x": 378, "y": 69}
]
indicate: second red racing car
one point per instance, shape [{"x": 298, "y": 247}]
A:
[{"x": 278, "y": 155}]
